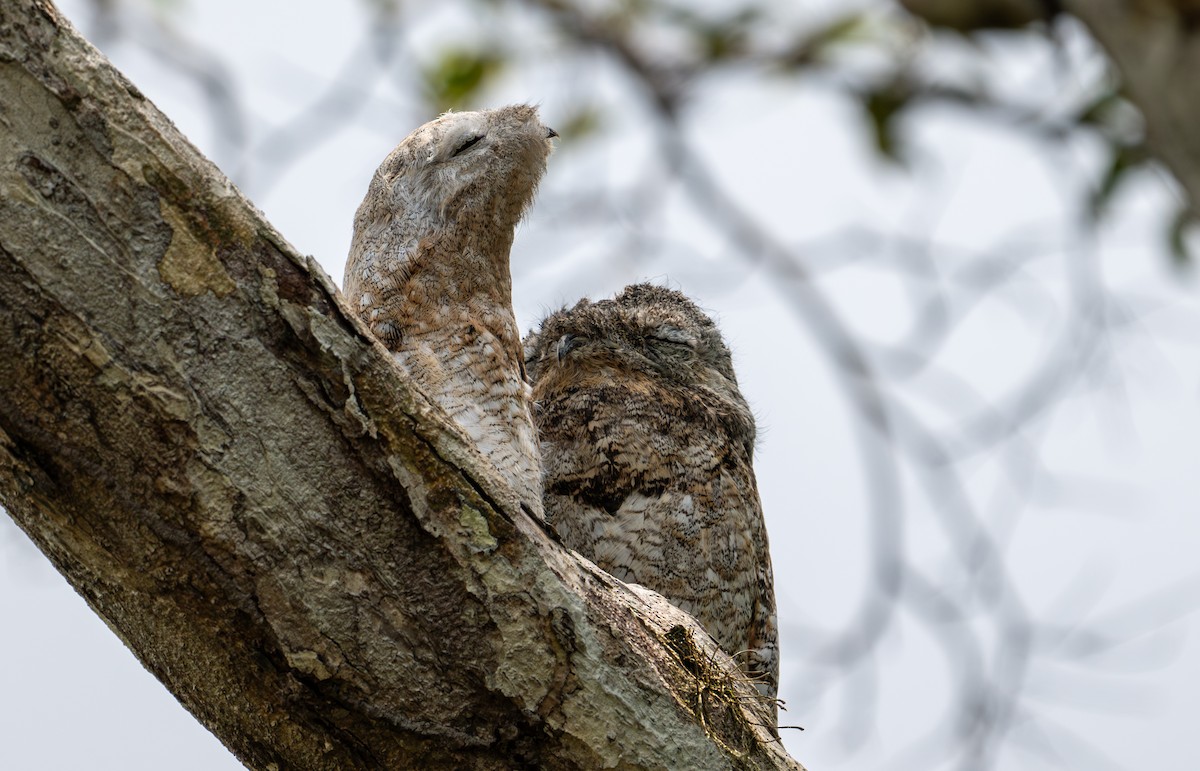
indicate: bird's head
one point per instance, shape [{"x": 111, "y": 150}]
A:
[
  {"x": 475, "y": 171},
  {"x": 650, "y": 341}
]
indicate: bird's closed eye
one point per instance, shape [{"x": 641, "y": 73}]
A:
[
  {"x": 467, "y": 145},
  {"x": 566, "y": 344},
  {"x": 673, "y": 336}
]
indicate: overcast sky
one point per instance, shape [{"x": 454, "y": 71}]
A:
[{"x": 1105, "y": 525}]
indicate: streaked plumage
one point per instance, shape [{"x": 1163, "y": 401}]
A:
[
  {"x": 429, "y": 273},
  {"x": 647, "y": 445}
]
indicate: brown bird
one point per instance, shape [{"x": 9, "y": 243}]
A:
[
  {"x": 647, "y": 445},
  {"x": 429, "y": 273}
]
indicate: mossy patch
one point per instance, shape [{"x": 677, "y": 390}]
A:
[
  {"x": 188, "y": 266},
  {"x": 713, "y": 696}
]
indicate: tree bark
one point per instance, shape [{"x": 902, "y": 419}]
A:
[
  {"x": 1155, "y": 45},
  {"x": 238, "y": 479}
]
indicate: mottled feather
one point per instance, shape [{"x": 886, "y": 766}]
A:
[
  {"x": 647, "y": 445},
  {"x": 429, "y": 273}
]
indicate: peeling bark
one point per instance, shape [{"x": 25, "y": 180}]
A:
[{"x": 237, "y": 478}]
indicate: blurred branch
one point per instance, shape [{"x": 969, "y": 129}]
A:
[
  {"x": 973, "y": 15},
  {"x": 349, "y": 93},
  {"x": 663, "y": 82},
  {"x": 989, "y": 694},
  {"x": 1155, "y": 44},
  {"x": 155, "y": 33}
]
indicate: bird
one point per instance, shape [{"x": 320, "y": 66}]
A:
[
  {"x": 647, "y": 447},
  {"x": 428, "y": 273}
]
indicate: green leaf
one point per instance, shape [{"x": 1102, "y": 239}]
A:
[
  {"x": 169, "y": 7},
  {"x": 1114, "y": 116},
  {"x": 455, "y": 79},
  {"x": 1182, "y": 225},
  {"x": 580, "y": 123},
  {"x": 1122, "y": 159},
  {"x": 1098, "y": 112},
  {"x": 813, "y": 45},
  {"x": 840, "y": 30},
  {"x": 882, "y": 106},
  {"x": 385, "y": 8}
]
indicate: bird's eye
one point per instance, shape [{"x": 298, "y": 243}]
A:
[
  {"x": 672, "y": 336},
  {"x": 467, "y": 145},
  {"x": 568, "y": 343}
]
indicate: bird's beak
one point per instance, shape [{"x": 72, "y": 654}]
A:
[{"x": 550, "y": 133}]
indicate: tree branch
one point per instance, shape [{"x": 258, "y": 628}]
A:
[
  {"x": 236, "y": 477},
  {"x": 1155, "y": 44}
]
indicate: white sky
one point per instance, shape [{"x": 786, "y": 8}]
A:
[{"x": 1112, "y": 521}]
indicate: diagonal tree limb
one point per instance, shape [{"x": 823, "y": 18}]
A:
[{"x": 239, "y": 481}]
